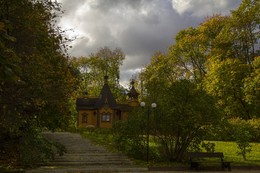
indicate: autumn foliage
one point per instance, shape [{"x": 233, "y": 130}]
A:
[{"x": 36, "y": 80}]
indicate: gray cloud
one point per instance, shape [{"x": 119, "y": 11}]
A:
[
  {"x": 138, "y": 27},
  {"x": 202, "y": 8}
]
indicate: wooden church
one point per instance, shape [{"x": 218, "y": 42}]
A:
[{"x": 104, "y": 111}]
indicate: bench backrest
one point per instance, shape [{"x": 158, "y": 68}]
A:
[{"x": 196, "y": 155}]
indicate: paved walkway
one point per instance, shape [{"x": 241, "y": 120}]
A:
[{"x": 82, "y": 156}]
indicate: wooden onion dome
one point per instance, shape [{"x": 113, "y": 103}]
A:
[{"x": 133, "y": 94}]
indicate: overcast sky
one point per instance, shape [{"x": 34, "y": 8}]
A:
[{"x": 138, "y": 27}]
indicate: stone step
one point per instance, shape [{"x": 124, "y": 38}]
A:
[
  {"x": 103, "y": 154},
  {"x": 82, "y": 156},
  {"x": 94, "y": 160},
  {"x": 91, "y": 159},
  {"x": 75, "y": 157},
  {"x": 70, "y": 151},
  {"x": 78, "y": 163},
  {"x": 89, "y": 169}
]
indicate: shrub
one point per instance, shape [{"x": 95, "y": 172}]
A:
[
  {"x": 187, "y": 114},
  {"x": 129, "y": 136},
  {"x": 242, "y": 133},
  {"x": 255, "y": 131},
  {"x": 36, "y": 149},
  {"x": 209, "y": 146}
]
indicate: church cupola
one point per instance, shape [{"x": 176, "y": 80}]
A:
[{"x": 133, "y": 94}]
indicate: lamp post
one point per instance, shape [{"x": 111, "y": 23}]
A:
[{"x": 153, "y": 105}]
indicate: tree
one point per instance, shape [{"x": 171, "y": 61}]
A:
[
  {"x": 186, "y": 112},
  {"x": 245, "y": 26},
  {"x": 186, "y": 115},
  {"x": 225, "y": 82},
  {"x": 194, "y": 45},
  {"x": 241, "y": 33},
  {"x": 37, "y": 79},
  {"x": 96, "y": 66},
  {"x": 251, "y": 88},
  {"x": 8, "y": 58},
  {"x": 189, "y": 51},
  {"x": 231, "y": 60}
]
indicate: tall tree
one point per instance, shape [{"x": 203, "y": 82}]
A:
[
  {"x": 194, "y": 45},
  {"x": 231, "y": 61},
  {"x": 96, "y": 66},
  {"x": 245, "y": 30},
  {"x": 252, "y": 88},
  {"x": 241, "y": 33},
  {"x": 190, "y": 51},
  {"x": 37, "y": 79},
  {"x": 225, "y": 81},
  {"x": 178, "y": 123}
]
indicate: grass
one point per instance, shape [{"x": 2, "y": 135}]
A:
[{"x": 230, "y": 151}]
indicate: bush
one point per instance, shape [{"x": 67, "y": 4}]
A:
[
  {"x": 187, "y": 114},
  {"x": 27, "y": 149},
  {"x": 34, "y": 149},
  {"x": 255, "y": 129},
  {"x": 129, "y": 136},
  {"x": 209, "y": 146},
  {"x": 225, "y": 131},
  {"x": 242, "y": 133}
]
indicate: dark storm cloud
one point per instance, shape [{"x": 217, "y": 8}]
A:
[{"x": 138, "y": 27}]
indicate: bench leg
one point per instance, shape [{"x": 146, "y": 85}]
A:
[
  {"x": 223, "y": 167},
  {"x": 229, "y": 167},
  {"x": 194, "y": 166},
  {"x": 226, "y": 165}
]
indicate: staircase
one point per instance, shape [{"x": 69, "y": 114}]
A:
[{"x": 82, "y": 156}]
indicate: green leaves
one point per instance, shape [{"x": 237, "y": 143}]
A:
[
  {"x": 252, "y": 87},
  {"x": 242, "y": 133},
  {"x": 226, "y": 81},
  {"x": 241, "y": 33},
  {"x": 96, "y": 66},
  {"x": 185, "y": 114},
  {"x": 37, "y": 78}
]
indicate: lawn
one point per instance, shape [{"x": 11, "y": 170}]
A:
[{"x": 230, "y": 151}]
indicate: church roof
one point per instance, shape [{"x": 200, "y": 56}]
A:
[
  {"x": 106, "y": 97},
  {"x": 86, "y": 103}
]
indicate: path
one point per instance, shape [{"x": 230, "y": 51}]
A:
[{"x": 83, "y": 156}]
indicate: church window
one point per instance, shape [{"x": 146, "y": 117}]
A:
[
  {"x": 84, "y": 117},
  {"x": 105, "y": 118}
]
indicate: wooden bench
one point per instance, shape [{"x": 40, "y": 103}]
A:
[{"x": 198, "y": 158}]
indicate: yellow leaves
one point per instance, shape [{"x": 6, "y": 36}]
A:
[
  {"x": 213, "y": 25},
  {"x": 256, "y": 63}
]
